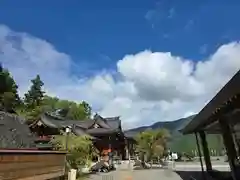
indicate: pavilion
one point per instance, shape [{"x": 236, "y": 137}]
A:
[
  {"x": 106, "y": 133},
  {"x": 220, "y": 116}
]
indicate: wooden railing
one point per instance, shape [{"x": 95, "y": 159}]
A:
[{"x": 31, "y": 164}]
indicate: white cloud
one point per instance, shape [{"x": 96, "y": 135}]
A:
[{"x": 153, "y": 86}]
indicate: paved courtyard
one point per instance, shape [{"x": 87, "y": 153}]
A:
[
  {"x": 154, "y": 174},
  {"x": 182, "y": 171}
]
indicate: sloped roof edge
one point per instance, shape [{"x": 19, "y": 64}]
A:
[{"x": 230, "y": 89}]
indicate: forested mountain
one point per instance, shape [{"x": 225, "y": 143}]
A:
[
  {"x": 172, "y": 126},
  {"x": 179, "y": 142}
]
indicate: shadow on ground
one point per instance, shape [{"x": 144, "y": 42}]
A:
[{"x": 198, "y": 175}]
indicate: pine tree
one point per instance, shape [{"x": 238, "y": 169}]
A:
[
  {"x": 9, "y": 98},
  {"x": 34, "y": 97},
  {"x": 87, "y": 109},
  {"x": 2, "y": 80}
]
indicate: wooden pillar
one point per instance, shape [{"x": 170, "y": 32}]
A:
[
  {"x": 110, "y": 161},
  {"x": 123, "y": 153},
  {"x": 200, "y": 155},
  {"x": 127, "y": 151},
  {"x": 129, "y": 148},
  {"x": 205, "y": 151},
  {"x": 230, "y": 146}
]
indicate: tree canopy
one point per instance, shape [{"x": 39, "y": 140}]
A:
[
  {"x": 9, "y": 98},
  {"x": 68, "y": 109},
  {"x": 36, "y": 101},
  {"x": 80, "y": 148},
  {"x": 152, "y": 143},
  {"x": 33, "y": 98}
]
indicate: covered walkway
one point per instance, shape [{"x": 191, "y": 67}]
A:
[{"x": 220, "y": 116}]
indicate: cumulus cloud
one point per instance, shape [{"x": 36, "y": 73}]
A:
[{"x": 151, "y": 86}]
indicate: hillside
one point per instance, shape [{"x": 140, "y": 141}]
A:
[
  {"x": 178, "y": 142},
  {"x": 172, "y": 126}
]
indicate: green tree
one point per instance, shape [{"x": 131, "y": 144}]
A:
[
  {"x": 79, "y": 111},
  {"x": 2, "y": 80},
  {"x": 49, "y": 103},
  {"x": 80, "y": 148},
  {"x": 69, "y": 109},
  {"x": 33, "y": 100},
  {"x": 8, "y": 101},
  {"x": 34, "y": 97},
  {"x": 34, "y": 114},
  {"x": 9, "y": 98},
  {"x": 87, "y": 109},
  {"x": 152, "y": 143}
]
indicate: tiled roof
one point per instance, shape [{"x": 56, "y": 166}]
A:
[
  {"x": 99, "y": 131},
  {"x": 14, "y": 133},
  {"x": 114, "y": 122},
  {"x": 106, "y": 125},
  {"x": 58, "y": 122}
]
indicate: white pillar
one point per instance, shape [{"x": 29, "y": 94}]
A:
[{"x": 72, "y": 174}]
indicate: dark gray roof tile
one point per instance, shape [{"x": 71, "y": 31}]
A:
[
  {"x": 58, "y": 122},
  {"x": 107, "y": 125},
  {"x": 14, "y": 132},
  {"x": 85, "y": 124},
  {"x": 79, "y": 131},
  {"x": 100, "y": 131},
  {"x": 114, "y": 122}
]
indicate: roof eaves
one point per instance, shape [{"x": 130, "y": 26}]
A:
[{"x": 230, "y": 89}]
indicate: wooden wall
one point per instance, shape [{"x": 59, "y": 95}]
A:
[{"x": 31, "y": 164}]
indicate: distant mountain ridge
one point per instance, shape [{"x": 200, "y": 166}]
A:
[
  {"x": 179, "y": 142},
  {"x": 171, "y": 126}
]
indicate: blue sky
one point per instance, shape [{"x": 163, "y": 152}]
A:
[
  {"x": 141, "y": 60},
  {"x": 98, "y": 33}
]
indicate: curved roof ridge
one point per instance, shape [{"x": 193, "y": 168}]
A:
[
  {"x": 112, "y": 118},
  {"x": 51, "y": 114},
  {"x": 101, "y": 121}
]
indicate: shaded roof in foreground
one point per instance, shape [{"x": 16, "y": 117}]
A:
[
  {"x": 14, "y": 133},
  {"x": 203, "y": 118}
]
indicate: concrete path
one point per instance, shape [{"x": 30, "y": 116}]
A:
[
  {"x": 195, "y": 166},
  {"x": 184, "y": 172},
  {"x": 154, "y": 174}
]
